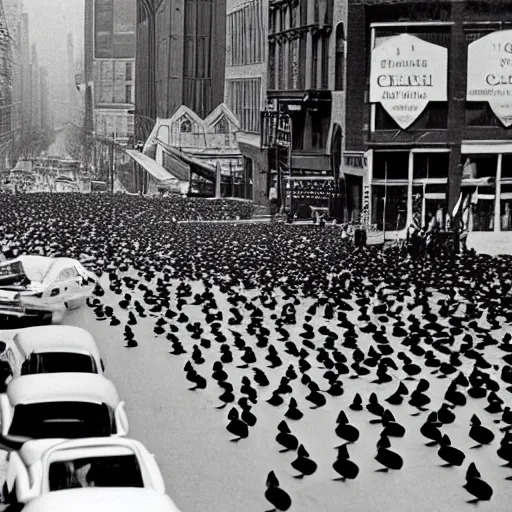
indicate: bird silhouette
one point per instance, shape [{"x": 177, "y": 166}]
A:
[{"x": 278, "y": 498}]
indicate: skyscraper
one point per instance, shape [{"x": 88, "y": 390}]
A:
[{"x": 36, "y": 90}]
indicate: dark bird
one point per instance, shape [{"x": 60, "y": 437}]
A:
[
  {"x": 430, "y": 429},
  {"x": 479, "y": 433},
  {"x": 278, "y": 498},
  {"x": 275, "y": 400},
  {"x": 293, "y": 412},
  {"x": 357, "y": 403},
  {"x": 303, "y": 464},
  {"x": 286, "y": 438},
  {"x": 452, "y": 456},
  {"x": 345, "y": 467},
  {"x": 386, "y": 457},
  {"x": 260, "y": 378},
  {"x": 236, "y": 426},
  {"x": 481, "y": 490},
  {"x": 345, "y": 430}
]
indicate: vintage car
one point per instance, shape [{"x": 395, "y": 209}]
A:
[
  {"x": 40, "y": 286},
  {"x": 102, "y": 500},
  {"x": 60, "y": 405},
  {"x": 49, "y": 465},
  {"x": 52, "y": 349}
]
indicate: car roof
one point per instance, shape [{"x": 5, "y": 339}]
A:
[
  {"x": 62, "y": 387},
  {"x": 33, "y": 450},
  {"x": 105, "y": 499},
  {"x": 60, "y": 338}
]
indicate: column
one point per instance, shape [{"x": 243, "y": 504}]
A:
[
  {"x": 369, "y": 183},
  {"x": 410, "y": 177},
  {"x": 497, "y": 195}
]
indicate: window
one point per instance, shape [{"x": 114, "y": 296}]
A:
[
  {"x": 339, "y": 71},
  {"x": 222, "y": 125},
  {"x": 186, "y": 126},
  {"x": 57, "y": 362},
  {"x": 243, "y": 99},
  {"x": 128, "y": 94},
  {"x": 129, "y": 72}
]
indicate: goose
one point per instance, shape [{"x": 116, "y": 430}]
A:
[
  {"x": 278, "y": 498},
  {"x": 303, "y": 464},
  {"x": 345, "y": 467},
  {"x": 286, "y": 438},
  {"x": 236, "y": 426},
  {"x": 481, "y": 490},
  {"x": 452, "y": 456}
]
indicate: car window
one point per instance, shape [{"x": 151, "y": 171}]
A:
[
  {"x": 69, "y": 420},
  {"x": 57, "y": 362},
  {"x": 67, "y": 273},
  {"x": 108, "y": 471}
]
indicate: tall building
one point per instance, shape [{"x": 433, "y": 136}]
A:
[
  {"x": 36, "y": 90},
  {"x": 45, "y": 99},
  {"x": 26, "y": 72},
  {"x": 110, "y": 27},
  {"x": 428, "y": 105},
  {"x": 88, "y": 63},
  {"x": 181, "y": 56},
  {"x": 296, "y": 123},
  {"x": 245, "y": 90}
]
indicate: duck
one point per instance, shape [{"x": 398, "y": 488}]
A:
[
  {"x": 391, "y": 427},
  {"x": 357, "y": 403},
  {"x": 276, "y": 399},
  {"x": 445, "y": 415},
  {"x": 397, "y": 397},
  {"x": 247, "y": 416},
  {"x": 430, "y": 429},
  {"x": 386, "y": 457},
  {"x": 293, "y": 412},
  {"x": 481, "y": 490},
  {"x": 303, "y": 464},
  {"x": 260, "y": 378},
  {"x": 479, "y": 433},
  {"x": 345, "y": 430},
  {"x": 315, "y": 397},
  {"x": 286, "y": 438},
  {"x": 373, "y": 406},
  {"x": 278, "y": 498},
  {"x": 218, "y": 372},
  {"x": 346, "y": 468},
  {"x": 236, "y": 426},
  {"x": 451, "y": 455}
]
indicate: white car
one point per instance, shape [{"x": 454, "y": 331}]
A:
[
  {"x": 52, "y": 349},
  {"x": 50, "y": 465},
  {"x": 39, "y": 286},
  {"x": 102, "y": 500},
  {"x": 60, "y": 405}
]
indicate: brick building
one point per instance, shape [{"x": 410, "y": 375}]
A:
[{"x": 428, "y": 108}]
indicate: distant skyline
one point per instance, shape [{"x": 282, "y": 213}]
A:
[{"x": 50, "y": 22}]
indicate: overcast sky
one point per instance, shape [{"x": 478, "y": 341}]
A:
[{"x": 50, "y": 21}]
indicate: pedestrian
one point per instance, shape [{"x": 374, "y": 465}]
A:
[{"x": 272, "y": 199}]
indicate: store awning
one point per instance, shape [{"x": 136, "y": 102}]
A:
[
  {"x": 483, "y": 147},
  {"x": 150, "y": 165}
]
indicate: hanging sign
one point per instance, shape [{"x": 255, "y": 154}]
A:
[
  {"x": 406, "y": 73},
  {"x": 490, "y": 73}
]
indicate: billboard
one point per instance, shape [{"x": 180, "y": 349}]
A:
[
  {"x": 406, "y": 73},
  {"x": 490, "y": 73},
  {"x": 114, "y": 29}
]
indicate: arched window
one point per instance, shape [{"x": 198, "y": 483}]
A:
[
  {"x": 186, "y": 126},
  {"x": 222, "y": 125},
  {"x": 339, "y": 72}
]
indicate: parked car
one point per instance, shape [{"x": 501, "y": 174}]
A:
[
  {"x": 102, "y": 500},
  {"x": 39, "y": 286},
  {"x": 52, "y": 349},
  {"x": 49, "y": 465},
  {"x": 60, "y": 405}
]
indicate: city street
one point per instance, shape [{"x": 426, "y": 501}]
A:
[{"x": 203, "y": 470}]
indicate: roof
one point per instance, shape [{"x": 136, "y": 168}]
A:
[
  {"x": 62, "y": 338},
  {"x": 150, "y": 165},
  {"x": 33, "y": 450},
  {"x": 202, "y": 168},
  {"x": 102, "y": 500},
  {"x": 62, "y": 387}
]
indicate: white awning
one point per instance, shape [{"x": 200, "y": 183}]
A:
[
  {"x": 485, "y": 147},
  {"x": 150, "y": 165}
]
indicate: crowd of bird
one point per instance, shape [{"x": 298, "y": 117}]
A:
[{"x": 302, "y": 300}]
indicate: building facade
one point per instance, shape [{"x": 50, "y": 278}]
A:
[
  {"x": 45, "y": 100},
  {"x": 36, "y": 90},
  {"x": 429, "y": 109},
  {"x": 296, "y": 121},
  {"x": 113, "y": 67},
  {"x": 245, "y": 90}
]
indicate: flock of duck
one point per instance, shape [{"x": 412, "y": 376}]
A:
[{"x": 258, "y": 312}]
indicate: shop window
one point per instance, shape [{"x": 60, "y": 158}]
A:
[
  {"x": 506, "y": 166},
  {"x": 298, "y": 122},
  {"x": 479, "y": 166},
  {"x": 396, "y": 163},
  {"x": 483, "y": 210},
  {"x": 431, "y": 165},
  {"x": 317, "y": 131},
  {"x": 394, "y": 200},
  {"x": 506, "y": 207}
]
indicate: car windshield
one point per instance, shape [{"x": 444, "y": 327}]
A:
[
  {"x": 62, "y": 419},
  {"x": 108, "y": 471},
  {"x": 56, "y": 362}
]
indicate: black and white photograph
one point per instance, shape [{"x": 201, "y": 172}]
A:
[{"x": 255, "y": 255}]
